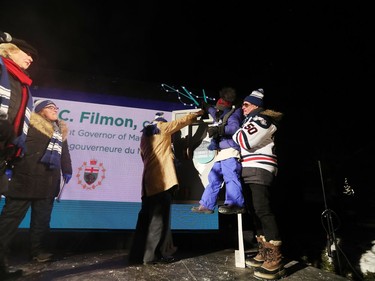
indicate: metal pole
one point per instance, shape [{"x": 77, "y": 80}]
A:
[
  {"x": 331, "y": 232},
  {"x": 61, "y": 191}
]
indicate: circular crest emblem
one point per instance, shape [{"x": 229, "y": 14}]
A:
[{"x": 91, "y": 174}]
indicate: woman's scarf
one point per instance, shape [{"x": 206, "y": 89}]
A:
[
  {"x": 52, "y": 156},
  {"x": 26, "y": 102},
  {"x": 57, "y": 131}
]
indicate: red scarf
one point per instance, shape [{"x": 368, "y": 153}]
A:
[
  {"x": 17, "y": 72},
  {"x": 25, "y": 81}
]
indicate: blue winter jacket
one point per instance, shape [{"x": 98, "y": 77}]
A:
[{"x": 232, "y": 125}]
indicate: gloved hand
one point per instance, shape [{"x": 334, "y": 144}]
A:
[
  {"x": 9, "y": 173},
  {"x": 221, "y": 130},
  {"x": 216, "y": 131},
  {"x": 67, "y": 177},
  {"x": 213, "y": 132},
  {"x": 6, "y": 130},
  {"x": 205, "y": 106}
]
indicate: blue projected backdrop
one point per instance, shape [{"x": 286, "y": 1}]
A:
[{"x": 104, "y": 192}]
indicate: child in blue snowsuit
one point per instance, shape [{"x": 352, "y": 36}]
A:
[{"x": 227, "y": 167}]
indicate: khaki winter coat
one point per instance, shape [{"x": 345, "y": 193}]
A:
[{"x": 159, "y": 172}]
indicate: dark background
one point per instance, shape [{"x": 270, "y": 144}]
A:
[{"x": 314, "y": 59}]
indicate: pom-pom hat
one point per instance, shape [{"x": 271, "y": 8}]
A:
[
  {"x": 152, "y": 128},
  {"x": 256, "y": 97},
  {"x": 40, "y": 104},
  {"x": 159, "y": 116}
]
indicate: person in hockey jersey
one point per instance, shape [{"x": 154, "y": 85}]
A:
[{"x": 259, "y": 169}]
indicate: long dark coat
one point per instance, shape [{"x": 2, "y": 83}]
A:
[{"x": 31, "y": 178}]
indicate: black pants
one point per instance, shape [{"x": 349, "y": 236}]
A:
[
  {"x": 264, "y": 218},
  {"x": 257, "y": 189},
  {"x": 153, "y": 227},
  {"x": 12, "y": 215}
]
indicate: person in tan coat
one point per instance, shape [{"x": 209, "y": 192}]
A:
[{"x": 153, "y": 241}]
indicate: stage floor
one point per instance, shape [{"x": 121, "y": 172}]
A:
[
  {"x": 112, "y": 265},
  {"x": 192, "y": 263}
]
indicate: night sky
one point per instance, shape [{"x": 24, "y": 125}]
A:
[
  {"x": 288, "y": 48},
  {"x": 314, "y": 60}
]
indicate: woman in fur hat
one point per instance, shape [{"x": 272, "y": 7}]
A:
[{"x": 36, "y": 180}]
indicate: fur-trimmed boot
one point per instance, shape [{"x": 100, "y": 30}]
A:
[
  {"x": 258, "y": 260},
  {"x": 272, "y": 267}
]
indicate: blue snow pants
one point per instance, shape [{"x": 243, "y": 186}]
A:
[{"x": 229, "y": 172}]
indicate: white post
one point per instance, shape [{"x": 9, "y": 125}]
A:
[{"x": 240, "y": 253}]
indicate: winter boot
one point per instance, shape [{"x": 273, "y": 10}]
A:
[
  {"x": 272, "y": 267},
  {"x": 6, "y": 273},
  {"x": 258, "y": 260}
]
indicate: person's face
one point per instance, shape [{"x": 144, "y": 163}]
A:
[
  {"x": 22, "y": 59},
  {"x": 50, "y": 112},
  {"x": 248, "y": 107}
]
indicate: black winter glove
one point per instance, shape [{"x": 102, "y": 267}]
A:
[
  {"x": 221, "y": 130},
  {"x": 216, "y": 131},
  {"x": 205, "y": 106},
  {"x": 6, "y": 131},
  {"x": 213, "y": 132}
]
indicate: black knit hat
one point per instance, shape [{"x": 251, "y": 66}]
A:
[
  {"x": 228, "y": 94},
  {"x": 227, "y": 97}
]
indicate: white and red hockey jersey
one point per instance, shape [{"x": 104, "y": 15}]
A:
[{"x": 256, "y": 139}]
